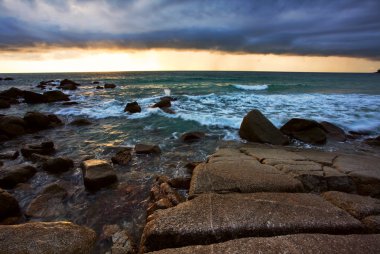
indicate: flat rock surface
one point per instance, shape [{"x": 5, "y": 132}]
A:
[
  {"x": 300, "y": 243},
  {"x": 46, "y": 237},
  {"x": 211, "y": 218}
]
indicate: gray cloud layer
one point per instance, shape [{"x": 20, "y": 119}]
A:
[{"x": 319, "y": 27}]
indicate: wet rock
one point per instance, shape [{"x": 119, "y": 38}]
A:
[
  {"x": 132, "y": 107},
  {"x": 67, "y": 84},
  {"x": 70, "y": 103},
  {"x": 54, "y": 96},
  {"x": 12, "y": 93},
  {"x": 34, "y": 98},
  {"x": 109, "y": 86},
  {"x": 37, "y": 120},
  {"x": 46, "y": 237},
  {"x": 358, "y": 206},
  {"x": 45, "y": 148},
  {"x": 81, "y": 122},
  {"x": 168, "y": 98},
  {"x": 12, "y": 126},
  {"x": 192, "y": 136},
  {"x": 373, "y": 223},
  {"x": 180, "y": 182},
  {"x": 307, "y": 131},
  {"x": 38, "y": 158},
  {"x": 95, "y": 82},
  {"x": 48, "y": 203},
  {"x": 11, "y": 176},
  {"x": 373, "y": 141},
  {"x": 122, "y": 243},
  {"x": 228, "y": 216},
  {"x": 58, "y": 165},
  {"x": 8, "y": 206},
  {"x": 147, "y": 149},
  {"x": 8, "y": 78},
  {"x": 168, "y": 110},
  {"x": 298, "y": 243},
  {"x": 255, "y": 127},
  {"x": 122, "y": 157},
  {"x": 97, "y": 174},
  {"x": 163, "y": 103},
  {"x": 99, "y": 87},
  {"x": 4, "y": 104},
  {"x": 334, "y": 132},
  {"x": 9, "y": 155}
]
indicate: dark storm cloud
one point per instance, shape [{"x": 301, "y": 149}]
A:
[{"x": 321, "y": 27}]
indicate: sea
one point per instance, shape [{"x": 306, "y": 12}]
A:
[{"x": 212, "y": 102}]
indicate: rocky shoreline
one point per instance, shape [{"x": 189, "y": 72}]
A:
[{"x": 244, "y": 197}]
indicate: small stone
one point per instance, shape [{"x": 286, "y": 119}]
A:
[
  {"x": 192, "y": 136},
  {"x": 132, "y": 107},
  {"x": 122, "y": 157},
  {"x": 97, "y": 174},
  {"x": 147, "y": 149},
  {"x": 45, "y": 148},
  {"x": 58, "y": 165}
]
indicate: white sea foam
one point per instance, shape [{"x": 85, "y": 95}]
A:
[{"x": 251, "y": 87}]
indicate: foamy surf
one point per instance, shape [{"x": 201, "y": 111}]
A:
[{"x": 251, "y": 87}]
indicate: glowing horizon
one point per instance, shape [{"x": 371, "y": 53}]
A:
[{"x": 115, "y": 60}]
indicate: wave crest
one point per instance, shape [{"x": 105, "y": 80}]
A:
[{"x": 251, "y": 87}]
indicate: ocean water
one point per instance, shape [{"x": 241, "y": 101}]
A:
[{"x": 212, "y": 102}]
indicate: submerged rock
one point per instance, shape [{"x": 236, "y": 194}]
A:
[
  {"x": 70, "y": 103},
  {"x": 255, "y": 127},
  {"x": 147, "y": 149},
  {"x": 58, "y": 165},
  {"x": 8, "y": 206},
  {"x": 46, "y": 237},
  {"x": 192, "y": 136},
  {"x": 48, "y": 202},
  {"x": 97, "y": 174},
  {"x": 123, "y": 157},
  {"x": 81, "y": 122},
  {"x": 308, "y": 131},
  {"x": 109, "y": 86},
  {"x": 45, "y": 148},
  {"x": 10, "y": 177},
  {"x": 132, "y": 107}
]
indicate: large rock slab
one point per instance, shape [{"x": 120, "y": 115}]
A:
[
  {"x": 256, "y": 127},
  {"x": 300, "y": 243},
  {"x": 97, "y": 174},
  {"x": 364, "y": 170},
  {"x": 46, "y": 237},
  {"x": 262, "y": 153},
  {"x": 358, "y": 206},
  {"x": 240, "y": 175},
  {"x": 211, "y": 218}
]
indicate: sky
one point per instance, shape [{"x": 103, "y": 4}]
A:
[{"x": 138, "y": 35}]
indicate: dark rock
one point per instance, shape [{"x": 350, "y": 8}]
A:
[
  {"x": 36, "y": 121},
  {"x": 122, "y": 243},
  {"x": 168, "y": 110},
  {"x": 180, "y": 182},
  {"x": 168, "y": 98},
  {"x": 334, "y": 132},
  {"x": 67, "y": 84},
  {"x": 163, "y": 103},
  {"x": 58, "y": 165},
  {"x": 211, "y": 218},
  {"x": 81, "y": 122},
  {"x": 122, "y": 157},
  {"x": 373, "y": 141},
  {"x": 8, "y": 206},
  {"x": 59, "y": 237},
  {"x": 357, "y": 134},
  {"x": 34, "y": 98},
  {"x": 308, "y": 131},
  {"x": 54, "y": 120},
  {"x": 132, "y": 107},
  {"x": 356, "y": 205},
  {"x": 48, "y": 202},
  {"x": 45, "y": 148},
  {"x": 99, "y": 87},
  {"x": 109, "y": 86},
  {"x": 373, "y": 223},
  {"x": 298, "y": 243},
  {"x": 10, "y": 177},
  {"x": 9, "y": 155},
  {"x": 12, "y": 126},
  {"x": 4, "y": 104},
  {"x": 255, "y": 127},
  {"x": 70, "y": 103},
  {"x": 192, "y": 136},
  {"x": 12, "y": 93},
  {"x": 54, "y": 96},
  {"x": 38, "y": 158},
  {"x": 95, "y": 82},
  {"x": 97, "y": 174},
  {"x": 147, "y": 149},
  {"x": 8, "y": 78}
]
